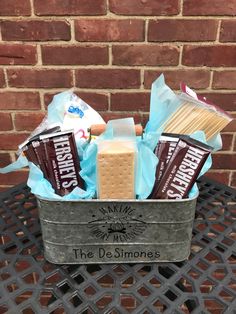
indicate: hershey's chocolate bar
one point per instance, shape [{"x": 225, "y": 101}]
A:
[
  {"x": 39, "y": 152},
  {"x": 164, "y": 150},
  {"x": 30, "y": 154},
  {"x": 183, "y": 169},
  {"x": 28, "y": 148},
  {"x": 47, "y": 131},
  {"x": 63, "y": 161}
]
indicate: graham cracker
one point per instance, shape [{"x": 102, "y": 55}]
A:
[{"x": 116, "y": 171}]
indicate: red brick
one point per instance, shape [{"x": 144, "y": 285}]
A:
[
  {"x": 5, "y": 121},
  {"x": 233, "y": 179},
  {"x": 13, "y": 54},
  {"x": 108, "y": 78},
  {"x": 231, "y": 127},
  {"x": 223, "y": 100},
  {"x": 194, "y": 78},
  {"x": 206, "y": 7},
  {"x": 14, "y": 178},
  {"x": 222, "y": 177},
  {"x": 147, "y": 7},
  {"x": 78, "y": 55},
  {"x": 145, "y": 55},
  {"x": 114, "y": 115},
  {"x": 19, "y": 100},
  {"x": 10, "y": 141},
  {"x": 98, "y": 101},
  {"x": 109, "y": 30},
  {"x": 216, "y": 55},
  {"x": 227, "y": 140},
  {"x": 227, "y": 31},
  {"x": 15, "y": 8},
  {"x": 127, "y": 301},
  {"x": 42, "y": 78},
  {"x": 213, "y": 306},
  {"x": 33, "y": 30},
  {"x": 182, "y": 30},
  {"x": 224, "y": 79},
  {"x": 106, "y": 299},
  {"x": 130, "y": 101},
  {"x": 224, "y": 161},
  {"x": 70, "y": 7},
  {"x": 5, "y": 159},
  {"x": 2, "y": 79},
  {"x": 28, "y": 121}
]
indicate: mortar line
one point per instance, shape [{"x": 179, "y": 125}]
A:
[
  {"x": 101, "y": 90},
  {"x": 146, "y": 25},
  {"x": 122, "y": 67},
  {"x": 230, "y": 178},
  {"x": 110, "y": 55},
  {"x": 122, "y": 43},
  {"x": 110, "y": 15},
  {"x": 13, "y": 115},
  {"x": 73, "y": 79},
  {"x": 181, "y": 48},
  {"x": 72, "y": 31},
  {"x": 41, "y": 97},
  {"x": 233, "y": 142},
  {"x": 218, "y": 33},
  {"x": 39, "y": 55},
  {"x": 142, "y": 79},
  {"x": 32, "y": 8},
  {"x": 5, "y": 77},
  {"x": 181, "y": 8},
  {"x": 211, "y": 79}
]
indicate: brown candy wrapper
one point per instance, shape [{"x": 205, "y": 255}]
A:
[
  {"x": 183, "y": 169},
  {"x": 62, "y": 162},
  {"x": 38, "y": 150},
  {"x": 164, "y": 150},
  {"x": 29, "y": 150}
]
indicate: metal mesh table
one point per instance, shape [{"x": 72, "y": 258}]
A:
[{"x": 206, "y": 283}]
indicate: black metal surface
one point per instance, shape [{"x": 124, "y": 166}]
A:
[{"x": 204, "y": 284}]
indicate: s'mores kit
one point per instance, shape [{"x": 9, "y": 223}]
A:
[
  {"x": 117, "y": 191},
  {"x": 74, "y": 153}
]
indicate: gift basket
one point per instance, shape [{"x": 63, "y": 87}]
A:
[{"x": 118, "y": 192}]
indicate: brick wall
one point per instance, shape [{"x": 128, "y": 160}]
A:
[{"x": 110, "y": 51}]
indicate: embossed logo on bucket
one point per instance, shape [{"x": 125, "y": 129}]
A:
[{"x": 117, "y": 223}]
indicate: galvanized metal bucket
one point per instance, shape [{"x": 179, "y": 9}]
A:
[{"x": 117, "y": 231}]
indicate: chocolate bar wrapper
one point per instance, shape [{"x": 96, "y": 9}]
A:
[
  {"x": 63, "y": 162},
  {"x": 38, "y": 149},
  {"x": 47, "y": 131},
  {"x": 28, "y": 149},
  {"x": 183, "y": 169},
  {"x": 164, "y": 150}
]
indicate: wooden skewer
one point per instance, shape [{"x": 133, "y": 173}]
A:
[
  {"x": 219, "y": 127},
  {"x": 178, "y": 118},
  {"x": 192, "y": 124},
  {"x": 173, "y": 116},
  {"x": 190, "y": 118}
]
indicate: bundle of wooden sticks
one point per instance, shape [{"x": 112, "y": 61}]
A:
[{"x": 193, "y": 116}]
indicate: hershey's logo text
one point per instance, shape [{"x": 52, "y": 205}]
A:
[
  {"x": 185, "y": 172},
  {"x": 171, "y": 149},
  {"x": 65, "y": 161}
]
